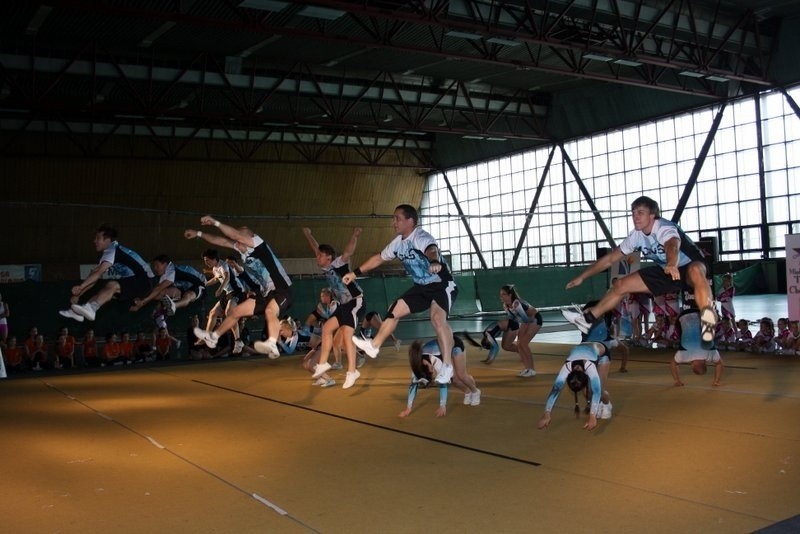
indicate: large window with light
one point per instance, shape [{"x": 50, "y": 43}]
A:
[{"x": 557, "y": 205}]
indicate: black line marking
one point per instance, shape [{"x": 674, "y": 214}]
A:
[{"x": 373, "y": 425}]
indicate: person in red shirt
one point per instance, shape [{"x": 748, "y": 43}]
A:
[
  {"x": 90, "y": 358},
  {"x": 143, "y": 348},
  {"x": 126, "y": 347},
  {"x": 112, "y": 351},
  {"x": 163, "y": 344},
  {"x": 65, "y": 351},
  {"x": 13, "y": 355},
  {"x": 38, "y": 353}
]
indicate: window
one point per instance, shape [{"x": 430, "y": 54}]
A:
[{"x": 656, "y": 159}]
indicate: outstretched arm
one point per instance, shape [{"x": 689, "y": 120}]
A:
[
  {"x": 91, "y": 280},
  {"x": 371, "y": 263},
  {"x": 214, "y": 239},
  {"x": 229, "y": 231},
  {"x": 351, "y": 245},
  {"x": 311, "y": 241},
  {"x": 597, "y": 267}
]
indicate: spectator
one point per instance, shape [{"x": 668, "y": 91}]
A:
[
  {"x": 126, "y": 348},
  {"x": 13, "y": 355},
  {"x": 65, "y": 351},
  {"x": 112, "y": 352},
  {"x": 89, "y": 350},
  {"x": 143, "y": 349},
  {"x": 4, "y": 313}
]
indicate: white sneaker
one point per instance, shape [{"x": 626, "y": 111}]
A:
[
  {"x": 336, "y": 366},
  {"x": 445, "y": 374},
  {"x": 604, "y": 412},
  {"x": 69, "y": 314},
  {"x": 85, "y": 310},
  {"x": 576, "y": 317},
  {"x": 708, "y": 320},
  {"x": 476, "y": 398},
  {"x": 268, "y": 347},
  {"x": 467, "y": 398},
  {"x": 205, "y": 337},
  {"x": 320, "y": 369},
  {"x": 366, "y": 345},
  {"x": 169, "y": 305},
  {"x": 526, "y": 373},
  {"x": 238, "y": 347},
  {"x": 351, "y": 379},
  {"x": 397, "y": 344},
  {"x": 328, "y": 383},
  {"x": 320, "y": 381}
]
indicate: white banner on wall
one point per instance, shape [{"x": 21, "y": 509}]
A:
[
  {"x": 12, "y": 274},
  {"x": 793, "y": 275}
]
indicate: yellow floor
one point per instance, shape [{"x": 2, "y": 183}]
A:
[{"x": 251, "y": 446}]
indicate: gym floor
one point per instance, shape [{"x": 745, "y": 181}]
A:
[{"x": 249, "y": 445}]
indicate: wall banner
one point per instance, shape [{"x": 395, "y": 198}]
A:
[
  {"x": 793, "y": 275},
  {"x": 12, "y": 274}
]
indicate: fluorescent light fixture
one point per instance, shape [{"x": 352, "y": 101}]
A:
[
  {"x": 264, "y": 5},
  {"x": 388, "y": 131},
  {"x": 170, "y": 118},
  {"x": 277, "y": 124},
  {"x": 412, "y": 132},
  {"x": 627, "y": 63},
  {"x": 691, "y": 74},
  {"x": 37, "y": 20},
  {"x": 719, "y": 79},
  {"x": 496, "y": 139},
  {"x": 504, "y": 42},
  {"x": 464, "y": 35},
  {"x": 597, "y": 57},
  {"x": 324, "y": 13},
  {"x": 472, "y": 137},
  {"x": 125, "y": 116},
  {"x": 155, "y": 34},
  {"x": 309, "y": 126}
]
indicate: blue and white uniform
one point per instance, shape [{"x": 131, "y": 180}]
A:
[
  {"x": 350, "y": 296},
  {"x": 691, "y": 347},
  {"x": 297, "y": 341},
  {"x": 433, "y": 353},
  {"x": 651, "y": 246},
  {"x": 264, "y": 268},
  {"x": 587, "y": 355},
  {"x": 185, "y": 278},
  {"x": 133, "y": 274},
  {"x": 428, "y": 287}
]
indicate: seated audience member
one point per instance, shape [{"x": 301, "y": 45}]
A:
[
  {"x": 38, "y": 354},
  {"x": 784, "y": 338},
  {"x": 64, "y": 352},
  {"x": 744, "y": 337},
  {"x": 794, "y": 328},
  {"x": 163, "y": 345},
  {"x": 725, "y": 334},
  {"x": 112, "y": 352},
  {"x": 13, "y": 355},
  {"x": 89, "y": 350},
  {"x": 126, "y": 348},
  {"x": 764, "y": 340},
  {"x": 143, "y": 348}
]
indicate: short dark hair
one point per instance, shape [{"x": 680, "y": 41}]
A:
[
  {"x": 409, "y": 211},
  {"x": 162, "y": 258},
  {"x": 107, "y": 230},
  {"x": 648, "y": 203},
  {"x": 327, "y": 250},
  {"x": 211, "y": 254}
]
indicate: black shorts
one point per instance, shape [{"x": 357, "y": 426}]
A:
[
  {"x": 134, "y": 287},
  {"x": 420, "y": 297},
  {"x": 660, "y": 283},
  {"x": 282, "y": 296},
  {"x": 350, "y": 314}
]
